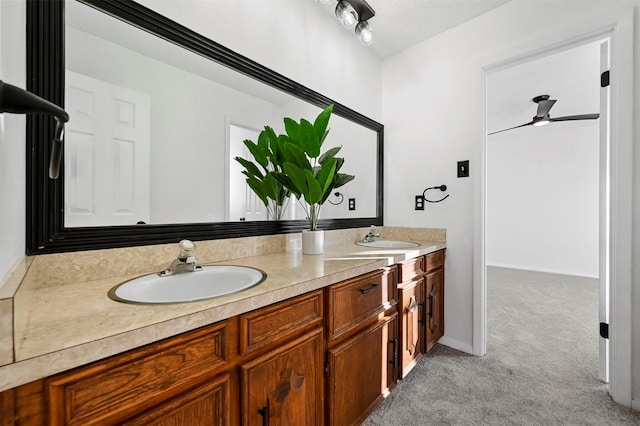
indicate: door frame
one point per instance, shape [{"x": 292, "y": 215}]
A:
[
  {"x": 229, "y": 120},
  {"x": 620, "y": 33}
]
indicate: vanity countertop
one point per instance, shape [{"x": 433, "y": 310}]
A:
[{"x": 62, "y": 326}]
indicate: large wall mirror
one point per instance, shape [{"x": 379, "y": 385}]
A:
[{"x": 158, "y": 112}]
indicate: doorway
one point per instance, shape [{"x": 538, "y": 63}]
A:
[
  {"x": 542, "y": 182},
  {"x": 620, "y": 30},
  {"x": 242, "y": 204},
  {"x": 546, "y": 189}
]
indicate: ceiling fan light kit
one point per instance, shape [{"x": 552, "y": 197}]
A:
[
  {"x": 537, "y": 121},
  {"x": 542, "y": 117}
]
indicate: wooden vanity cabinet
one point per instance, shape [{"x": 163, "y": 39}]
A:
[
  {"x": 209, "y": 376},
  {"x": 362, "y": 356},
  {"x": 434, "y": 298},
  {"x": 361, "y": 372},
  {"x": 206, "y": 404},
  {"x": 326, "y": 357},
  {"x": 412, "y": 315},
  {"x": 421, "y": 307},
  {"x": 186, "y": 379},
  {"x": 283, "y": 384}
]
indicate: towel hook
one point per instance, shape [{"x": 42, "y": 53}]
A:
[{"x": 441, "y": 188}]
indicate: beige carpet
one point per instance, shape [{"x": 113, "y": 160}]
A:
[{"x": 540, "y": 368}]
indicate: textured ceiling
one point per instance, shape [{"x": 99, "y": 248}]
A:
[{"x": 400, "y": 24}]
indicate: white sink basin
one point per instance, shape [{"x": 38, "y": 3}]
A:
[
  {"x": 210, "y": 281},
  {"x": 389, "y": 244}
]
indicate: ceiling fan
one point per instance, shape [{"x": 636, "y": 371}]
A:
[{"x": 542, "y": 115}]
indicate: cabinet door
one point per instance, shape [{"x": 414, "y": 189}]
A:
[
  {"x": 412, "y": 323},
  {"x": 285, "y": 387},
  {"x": 435, "y": 307},
  {"x": 392, "y": 360},
  {"x": 360, "y": 371},
  {"x": 207, "y": 404}
]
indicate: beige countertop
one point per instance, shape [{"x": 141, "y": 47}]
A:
[{"x": 60, "y": 326}]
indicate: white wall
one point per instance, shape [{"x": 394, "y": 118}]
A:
[
  {"x": 542, "y": 199},
  {"x": 294, "y": 38},
  {"x": 431, "y": 104},
  {"x": 12, "y": 138}
]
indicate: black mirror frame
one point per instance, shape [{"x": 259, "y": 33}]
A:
[{"x": 45, "y": 230}]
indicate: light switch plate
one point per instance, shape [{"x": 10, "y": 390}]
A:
[{"x": 463, "y": 168}]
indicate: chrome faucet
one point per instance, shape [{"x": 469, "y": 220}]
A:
[
  {"x": 372, "y": 235},
  {"x": 185, "y": 262}
]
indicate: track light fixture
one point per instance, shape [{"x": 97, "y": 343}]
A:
[
  {"x": 364, "y": 33},
  {"x": 354, "y": 13},
  {"x": 346, "y": 14}
]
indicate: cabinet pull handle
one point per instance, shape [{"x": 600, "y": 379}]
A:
[
  {"x": 264, "y": 412},
  {"x": 422, "y": 313},
  {"x": 368, "y": 289},
  {"x": 431, "y": 295},
  {"x": 394, "y": 360}
]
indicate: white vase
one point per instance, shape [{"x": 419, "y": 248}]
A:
[{"x": 312, "y": 242}]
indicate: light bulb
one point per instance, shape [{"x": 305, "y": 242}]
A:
[
  {"x": 346, "y": 14},
  {"x": 537, "y": 121},
  {"x": 364, "y": 32}
]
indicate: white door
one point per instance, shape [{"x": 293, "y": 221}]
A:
[
  {"x": 107, "y": 143},
  {"x": 243, "y": 202},
  {"x": 603, "y": 311}
]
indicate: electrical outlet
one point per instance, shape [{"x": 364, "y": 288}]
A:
[
  {"x": 419, "y": 202},
  {"x": 352, "y": 203},
  {"x": 463, "y": 168}
]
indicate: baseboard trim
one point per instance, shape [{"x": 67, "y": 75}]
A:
[
  {"x": 456, "y": 344},
  {"x": 532, "y": 269},
  {"x": 635, "y": 404}
]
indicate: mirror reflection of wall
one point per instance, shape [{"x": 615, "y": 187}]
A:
[{"x": 171, "y": 164}]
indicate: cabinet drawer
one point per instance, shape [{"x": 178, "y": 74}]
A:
[
  {"x": 276, "y": 322},
  {"x": 411, "y": 269},
  {"x": 352, "y": 302},
  {"x": 112, "y": 390},
  {"x": 435, "y": 260}
]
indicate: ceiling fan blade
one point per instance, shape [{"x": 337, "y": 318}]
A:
[
  {"x": 511, "y": 128},
  {"x": 576, "y": 117},
  {"x": 544, "y": 106}
]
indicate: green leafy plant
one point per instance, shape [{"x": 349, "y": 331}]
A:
[
  {"x": 306, "y": 172},
  {"x": 269, "y": 158}
]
